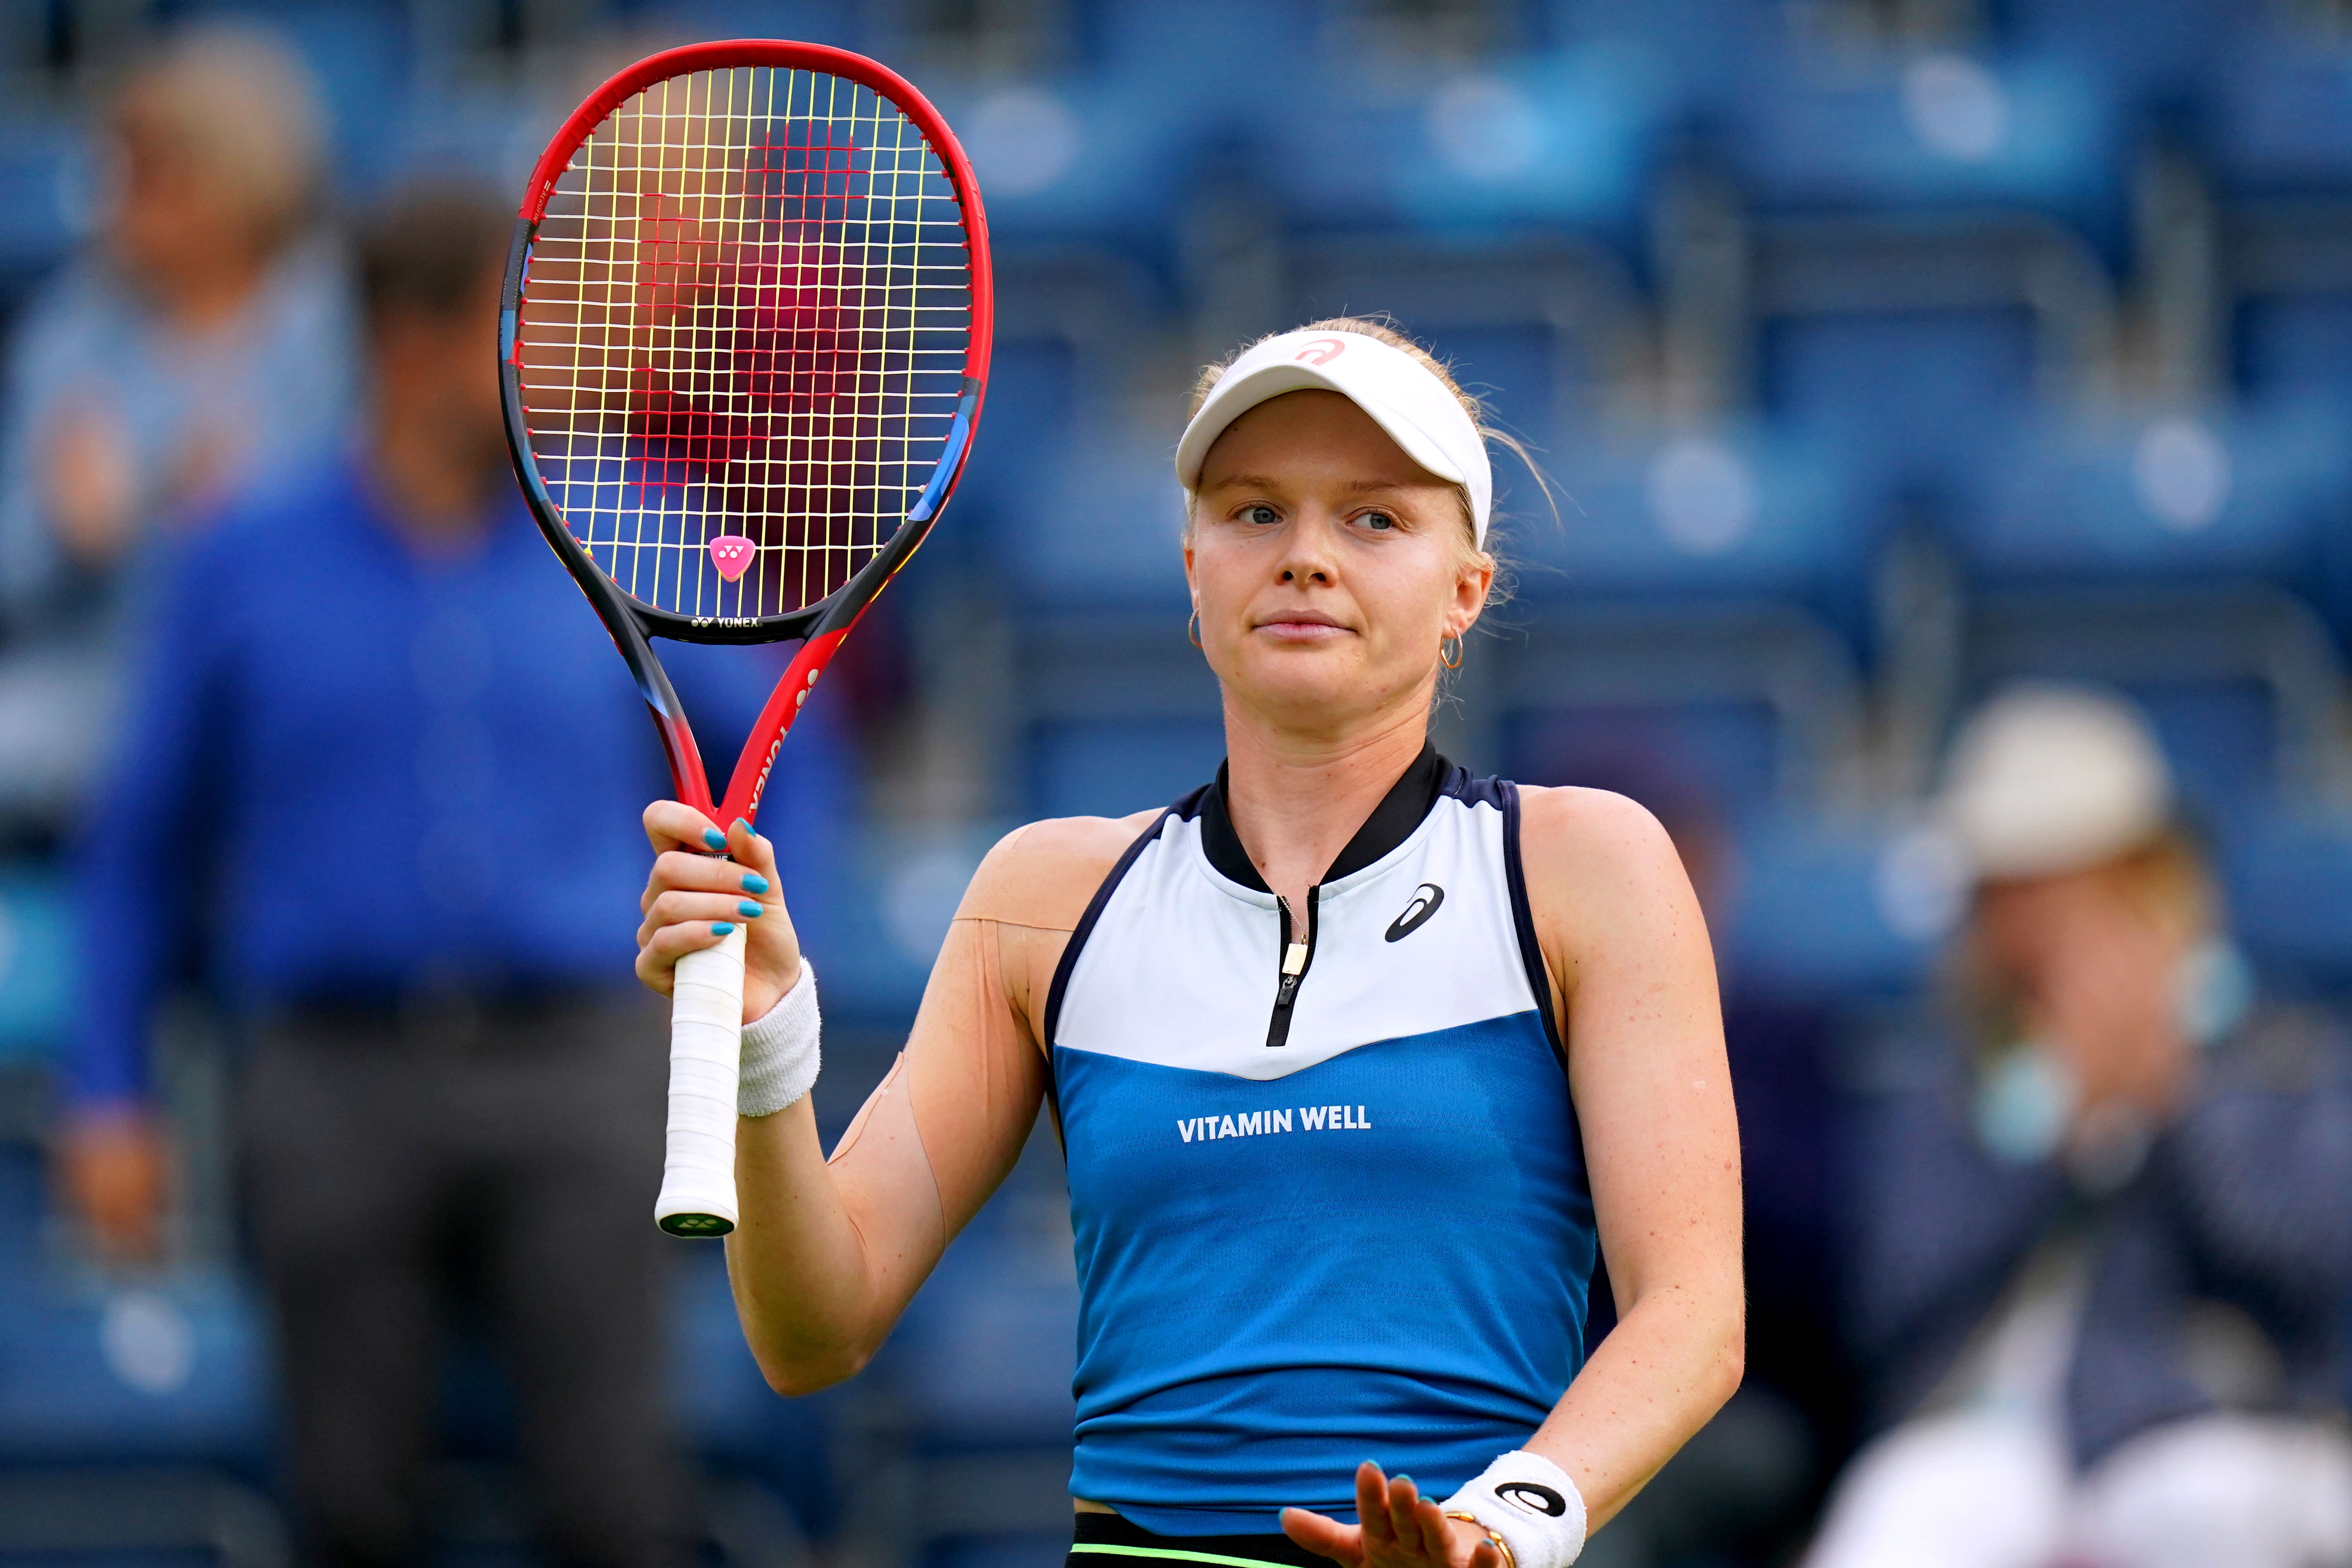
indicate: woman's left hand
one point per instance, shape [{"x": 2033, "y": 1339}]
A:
[{"x": 1400, "y": 1529}]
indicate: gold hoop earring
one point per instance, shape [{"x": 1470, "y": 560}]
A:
[
  {"x": 1455, "y": 662},
  {"x": 1193, "y": 630}
]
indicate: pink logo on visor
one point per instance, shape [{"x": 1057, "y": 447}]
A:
[
  {"x": 731, "y": 553},
  {"x": 1322, "y": 351}
]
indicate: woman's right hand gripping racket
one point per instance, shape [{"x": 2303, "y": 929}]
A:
[{"x": 744, "y": 339}]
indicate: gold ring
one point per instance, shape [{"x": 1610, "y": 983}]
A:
[{"x": 1501, "y": 1545}]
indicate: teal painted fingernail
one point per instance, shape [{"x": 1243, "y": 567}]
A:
[
  {"x": 722, "y": 928},
  {"x": 744, "y": 825},
  {"x": 715, "y": 839},
  {"x": 754, "y": 883},
  {"x": 1402, "y": 1481},
  {"x": 750, "y": 910}
]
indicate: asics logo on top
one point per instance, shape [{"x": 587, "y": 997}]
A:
[
  {"x": 1322, "y": 351},
  {"x": 1532, "y": 1495},
  {"x": 1425, "y": 899}
]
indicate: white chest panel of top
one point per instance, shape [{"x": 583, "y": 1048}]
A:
[{"x": 1181, "y": 966}]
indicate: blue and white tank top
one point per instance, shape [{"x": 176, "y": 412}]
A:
[{"x": 1329, "y": 1199}]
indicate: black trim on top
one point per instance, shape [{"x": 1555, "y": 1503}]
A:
[
  {"x": 1523, "y": 919},
  {"x": 1404, "y": 808},
  {"x": 1273, "y": 1548}
]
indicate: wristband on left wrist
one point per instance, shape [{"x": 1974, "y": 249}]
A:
[{"x": 1530, "y": 1508}]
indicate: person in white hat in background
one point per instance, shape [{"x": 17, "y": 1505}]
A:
[
  {"x": 1358, "y": 1060},
  {"x": 2105, "y": 1227}
]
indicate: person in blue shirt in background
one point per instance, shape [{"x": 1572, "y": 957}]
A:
[
  {"x": 200, "y": 348},
  {"x": 377, "y": 672}
]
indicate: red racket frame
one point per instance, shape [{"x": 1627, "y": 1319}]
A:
[{"x": 820, "y": 627}]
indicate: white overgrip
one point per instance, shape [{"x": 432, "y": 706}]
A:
[{"x": 697, "y": 1191}]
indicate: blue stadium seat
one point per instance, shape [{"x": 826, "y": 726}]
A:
[
  {"x": 2155, "y": 52},
  {"x": 1024, "y": 433},
  {"x": 2288, "y": 880},
  {"x": 1541, "y": 142},
  {"x": 1703, "y": 597},
  {"x": 2279, "y": 116},
  {"x": 2251, "y": 491},
  {"x": 1756, "y": 706},
  {"x": 1104, "y": 529},
  {"x": 1918, "y": 346},
  {"x": 2222, "y": 736},
  {"x": 1068, "y": 320},
  {"x": 1723, "y": 752},
  {"x": 1696, "y": 55},
  {"x": 178, "y": 1373},
  {"x": 1921, "y": 399},
  {"x": 1111, "y": 767},
  {"x": 1834, "y": 912},
  {"x": 1219, "y": 57},
  {"x": 2289, "y": 308},
  {"x": 1937, "y": 130},
  {"x": 2295, "y": 342},
  {"x": 1106, "y": 148},
  {"x": 835, "y": 22},
  {"x": 1077, "y": 157},
  {"x": 874, "y": 973},
  {"x": 1739, "y": 510}
]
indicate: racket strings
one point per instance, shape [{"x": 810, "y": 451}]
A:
[{"x": 742, "y": 337}]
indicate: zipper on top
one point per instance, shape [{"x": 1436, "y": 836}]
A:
[{"x": 1297, "y": 954}]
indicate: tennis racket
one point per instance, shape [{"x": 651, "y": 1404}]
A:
[{"x": 744, "y": 339}]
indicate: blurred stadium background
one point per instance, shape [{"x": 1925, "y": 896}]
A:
[{"x": 1880, "y": 351}]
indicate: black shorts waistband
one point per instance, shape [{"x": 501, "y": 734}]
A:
[{"x": 1110, "y": 1540}]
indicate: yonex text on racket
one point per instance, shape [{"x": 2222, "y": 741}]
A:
[{"x": 744, "y": 339}]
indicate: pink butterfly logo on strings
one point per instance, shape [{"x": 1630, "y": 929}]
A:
[{"x": 731, "y": 553}]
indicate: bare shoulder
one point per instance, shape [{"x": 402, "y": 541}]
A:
[
  {"x": 1045, "y": 874},
  {"x": 1569, "y": 829},
  {"x": 1601, "y": 872}
]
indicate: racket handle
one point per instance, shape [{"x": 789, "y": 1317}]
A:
[{"x": 706, "y": 1049}]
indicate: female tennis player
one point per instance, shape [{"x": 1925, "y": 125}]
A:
[{"x": 1357, "y": 1059}]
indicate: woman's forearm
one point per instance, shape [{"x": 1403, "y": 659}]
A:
[
  {"x": 795, "y": 1261},
  {"x": 826, "y": 1255},
  {"x": 1660, "y": 1375}
]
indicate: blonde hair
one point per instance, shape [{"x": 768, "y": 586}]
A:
[
  {"x": 1468, "y": 552},
  {"x": 245, "y": 110}
]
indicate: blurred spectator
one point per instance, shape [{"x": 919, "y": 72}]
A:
[
  {"x": 202, "y": 347},
  {"x": 2104, "y": 1201},
  {"x": 382, "y": 759},
  {"x": 205, "y": 343}
]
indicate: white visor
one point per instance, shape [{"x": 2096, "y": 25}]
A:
[
  {"x": 2049, "y": 778},
  {"x": 1396, "y": 389}
]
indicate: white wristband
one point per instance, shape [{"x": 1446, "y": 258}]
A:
[
  {"x": 1529, "y": 1502},
  {"x": 780, "y": 1054}
]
